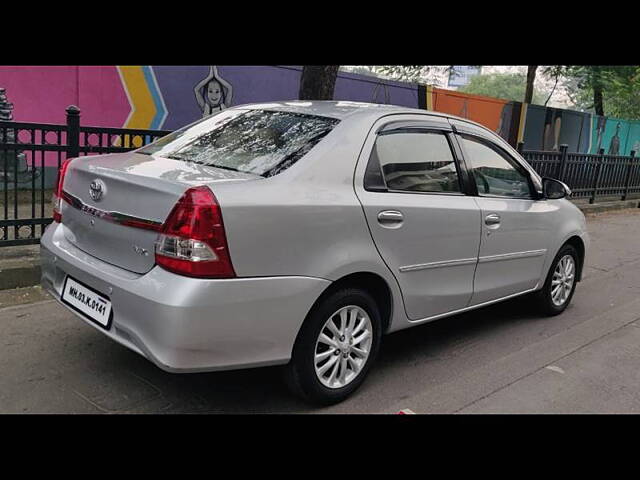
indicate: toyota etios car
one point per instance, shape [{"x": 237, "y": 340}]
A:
[{"x": 299, "y": 233}]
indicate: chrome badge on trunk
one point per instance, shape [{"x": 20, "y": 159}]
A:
[{"x": 97, "y": 189}]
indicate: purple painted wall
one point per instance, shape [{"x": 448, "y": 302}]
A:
[
  {"x": 253, "y": 84},
  {"x": 164, "y": 97},
  {"x": 113, "y": 95}
]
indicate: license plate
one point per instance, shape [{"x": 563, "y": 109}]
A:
[{"x": 91, "y": 304}]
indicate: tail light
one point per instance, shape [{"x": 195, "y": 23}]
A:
[
  {"x": 56, "y": 198},
  {"x": 192, "y": 241}
]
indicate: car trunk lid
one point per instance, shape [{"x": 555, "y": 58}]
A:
[{"x": 115, "y": 204}]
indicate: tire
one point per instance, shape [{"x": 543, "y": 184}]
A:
[
  {"x": 544, "y": 297},
  {"x": 301, "y": 374}
]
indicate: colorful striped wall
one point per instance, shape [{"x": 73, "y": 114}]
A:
[
  {"x": 540, "y": 128},
  {"x": 168, "y": 97}
]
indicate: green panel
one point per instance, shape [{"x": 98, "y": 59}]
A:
[{"x": 616, "y": 136}]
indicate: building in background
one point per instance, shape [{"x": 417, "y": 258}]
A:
[{"x": 460, "y": 75}]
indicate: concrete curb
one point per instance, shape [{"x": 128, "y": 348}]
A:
[
  {"x": 19, "y": 266},
  {"x": 17, "y": 277},
  {"x": 607, "y": 206},
  {"x": 22, "y": 269}
]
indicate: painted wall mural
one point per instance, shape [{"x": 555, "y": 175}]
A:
[
  {"x": 147, "y": 107},
  {"x": 540, "y": 128},
  {"x": 169, "y": 97},
  {"x": 213, "y": 93},
  {"x": 485, "y": 110},
  {"x": 14, "y": 166},
  {"x": 548, "y": 128},
  {"x": 494, "y": 113},
  {"x": 162, "y": 97},
  {"x": 616, "y": 136}
]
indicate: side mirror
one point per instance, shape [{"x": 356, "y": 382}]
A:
[{"x": 553, "y": 189}]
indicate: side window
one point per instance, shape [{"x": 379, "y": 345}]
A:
[
  {"x": 413, "y": 162},
  {"x": 494, "y": 174}
]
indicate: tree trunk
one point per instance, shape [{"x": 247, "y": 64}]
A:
[
  {"x": 598, "y": 103},
  {"x": 318, "y": 82},
  {"x": 551, "y": 93},
  {"x": 531, "y": 78}
]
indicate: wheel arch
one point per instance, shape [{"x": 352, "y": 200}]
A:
[
  {"x": 373, "y": 283},
  {"x": 576, "y": 242}
]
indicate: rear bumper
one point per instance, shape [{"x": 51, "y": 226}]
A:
[{"x": 185, "y": 324}]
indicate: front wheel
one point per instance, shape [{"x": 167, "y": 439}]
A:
[
  {"x": 335, "y": 348},
  {"x": 560, "y": 283}
]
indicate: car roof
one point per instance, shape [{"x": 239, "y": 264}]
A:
[{"x": 342, "y": 109}]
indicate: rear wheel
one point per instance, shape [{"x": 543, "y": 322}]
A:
[
  {"x": 560, "y": 283},
  {"x": 335, "y": 348}
]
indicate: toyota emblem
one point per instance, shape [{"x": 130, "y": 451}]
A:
[{"x": 97, "y": 189}]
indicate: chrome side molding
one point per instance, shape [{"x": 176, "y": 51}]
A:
[
  {"x": 512, "y": 256},
  {"x": 446, "y": 263},
  {"x": 469, "y": 261}
]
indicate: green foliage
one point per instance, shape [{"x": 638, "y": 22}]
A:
[
  {"x": 509, "y": 86},
  {"x": 619, "y": 84},
  {"x": 409, "y": 73},
  {"x": 424, "y": 74},
  {"x": 622, "y": 97}
]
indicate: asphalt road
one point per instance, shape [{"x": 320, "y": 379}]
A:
[{"x": 503, "y": 358}]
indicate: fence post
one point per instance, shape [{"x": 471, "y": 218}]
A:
[
  {"x": 73, "y": 131},
  {"x": 520, "y": 147},
  {"x": 562, "y": 166},
  {"x": 628, "y": 177},
  {"x": 596, "y": 181}
]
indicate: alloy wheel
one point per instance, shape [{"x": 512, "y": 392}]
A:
[
  {"x": 343, "y": 346},
  {"x": 562, "y": 281}
]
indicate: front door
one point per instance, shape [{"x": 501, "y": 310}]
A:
[{"x": 516, "y": 227}]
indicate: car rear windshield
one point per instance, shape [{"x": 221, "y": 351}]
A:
[{"x": 262, "y": 142}]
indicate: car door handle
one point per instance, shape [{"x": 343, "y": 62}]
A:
[
  {"x": 492, "y": 220},
  {"x": 390, "y": 218}
]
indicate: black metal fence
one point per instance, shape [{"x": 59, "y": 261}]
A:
[
  {"x": 589, "y": 175},
  {"x": 30, "y": 156}
]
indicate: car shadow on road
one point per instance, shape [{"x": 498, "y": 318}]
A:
[{"x": 404, "y": 364}]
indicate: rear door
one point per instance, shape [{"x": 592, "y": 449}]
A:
[
  {"x": 425, "y": 227},
  {"x": 516, "y": 225}
]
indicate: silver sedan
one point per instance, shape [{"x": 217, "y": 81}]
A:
[{"x": 299, "y": 233}]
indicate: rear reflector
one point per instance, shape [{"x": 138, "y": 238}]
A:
[{"x": 192, "y": 240}]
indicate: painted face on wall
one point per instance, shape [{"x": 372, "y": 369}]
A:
[{"x": 214, "y": 93}]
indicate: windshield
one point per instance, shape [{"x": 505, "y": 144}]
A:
[{"x": 262, "y": 142}]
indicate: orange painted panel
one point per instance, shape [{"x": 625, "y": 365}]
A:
[{"x": 484, "y": 110}]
